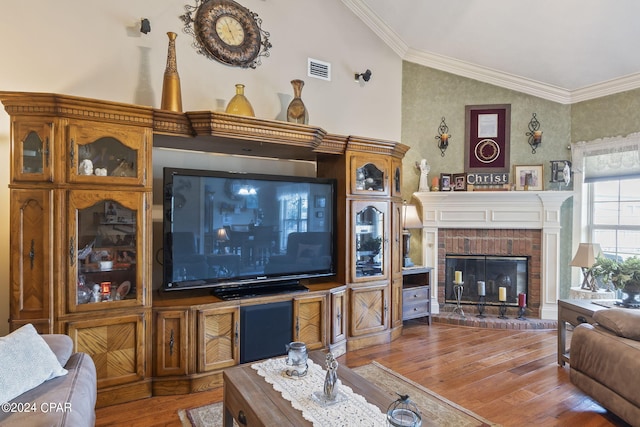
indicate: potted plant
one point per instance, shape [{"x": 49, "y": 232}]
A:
[{"x": 623, "y": 275}]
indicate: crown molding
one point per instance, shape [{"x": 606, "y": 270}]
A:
[{"x": 484, "y": 74}]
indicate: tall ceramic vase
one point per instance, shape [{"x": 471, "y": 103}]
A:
[
  {"x": 171, "y": 93},
  {"x": 239, "y": 104},
  {"x": 296, "y": 111}
]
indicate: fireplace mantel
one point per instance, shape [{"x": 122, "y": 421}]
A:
[{"x": 497, "y": 210}]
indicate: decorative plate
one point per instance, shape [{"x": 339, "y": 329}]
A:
[{"x": 124, "y": 288}]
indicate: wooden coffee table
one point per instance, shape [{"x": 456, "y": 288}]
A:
[{"x": 253, "y": 402}]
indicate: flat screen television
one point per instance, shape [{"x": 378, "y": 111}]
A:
[{"x": 245, "y": 234}]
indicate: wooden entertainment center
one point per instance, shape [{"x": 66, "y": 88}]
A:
[{"x": 75, "y": 221}]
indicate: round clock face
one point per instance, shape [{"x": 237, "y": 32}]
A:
[{"x": 228, "y": 32}]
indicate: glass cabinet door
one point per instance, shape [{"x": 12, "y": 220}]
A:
[
  {"x": 370, "y": 243},
  {"x": 33, "y": 141},
  {"x": 369, "y": 175},
  {"x": 101, "y": 154},
  {"x": 106, "y": 249}
]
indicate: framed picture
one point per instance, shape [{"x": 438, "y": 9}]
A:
[
  {"x": 528, "y": 177},
  {"x": 445, "y": 182},
  {"x": 459, "y": 182},
  {"x": 487, "y": 138}
]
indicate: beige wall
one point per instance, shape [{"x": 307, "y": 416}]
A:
[
  {"x": 94, "y": 49},
  {"x": 613, "y": 115}
]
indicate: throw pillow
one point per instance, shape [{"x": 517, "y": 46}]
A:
[
  {"x": 26, "y": 361},
  {"x": 623, "y": 322}
]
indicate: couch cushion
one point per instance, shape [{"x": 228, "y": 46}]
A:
[
  {"x": 26, "y": 361},
  {"x": 622, "y": 322},
  {"x": 61, "y": 345}
]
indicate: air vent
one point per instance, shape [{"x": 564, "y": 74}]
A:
[{"x": 318, "y": 69}]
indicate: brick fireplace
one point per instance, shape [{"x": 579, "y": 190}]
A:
[
  {"x": 493, "y": 242},
  {"x": 518, "y": 223}
]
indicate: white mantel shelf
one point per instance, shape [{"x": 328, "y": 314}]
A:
[
  {"x": 492, "y": 209},
  {"x": 497, "y": 210}
]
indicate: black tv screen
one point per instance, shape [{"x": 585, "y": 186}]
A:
[{"x": 223, "y": 229}]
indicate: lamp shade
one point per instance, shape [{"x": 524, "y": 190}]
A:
[
  {"x": 586, "y": 255},
  {"x": 221, "y": 234},
  {"x": 410, "y": 218}
]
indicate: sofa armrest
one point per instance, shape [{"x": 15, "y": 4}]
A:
[{"x": 61, "y": 345}]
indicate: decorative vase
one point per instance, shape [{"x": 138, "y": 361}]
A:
[
  {"x": 239, "y": 104},
  {"x": 296, "y": 111},
  {"x": 171, "y": 93}
]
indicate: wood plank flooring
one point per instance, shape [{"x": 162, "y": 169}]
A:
[{"x": 510, "y": 377}]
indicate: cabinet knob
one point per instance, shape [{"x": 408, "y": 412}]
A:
[
  {"x": 242, "y": 418},
  {"x": 582, "y": 319}
]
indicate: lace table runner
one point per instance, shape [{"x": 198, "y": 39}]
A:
[{"x": 350, "y": 411}]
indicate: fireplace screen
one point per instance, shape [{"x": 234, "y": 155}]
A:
[{"x": 496, "y": 271}]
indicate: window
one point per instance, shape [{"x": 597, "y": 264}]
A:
[{"x": 614, "y": 218}]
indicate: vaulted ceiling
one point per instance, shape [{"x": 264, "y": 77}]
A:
[{"x": 562, "y": 50}]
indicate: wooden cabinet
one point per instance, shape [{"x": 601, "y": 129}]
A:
[
  {"x": 309, "y": 320},
  {"x": 31, "y": 298},
  {"x": 339, "y": 316},
  {"x": 369, "y": 309},
  {"x": 80, "y": 188},
  {"x": 171, "y": 342},
  {"x": 80, "y": 215},
  {"x": 218, "y": 338},
  {"x": 118, "y": 347}
]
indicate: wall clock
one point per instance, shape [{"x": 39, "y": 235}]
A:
[{"x": 227, "y": 32}]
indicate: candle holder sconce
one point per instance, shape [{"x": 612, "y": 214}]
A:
[
  {"x": 443, "y": 137},
  {"x": 534, "y": 134},
  {"x": 503, "y": 310},
  {"x": 481, "y": 305}
]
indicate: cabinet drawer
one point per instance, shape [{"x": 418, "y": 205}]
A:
[
  {"x": 420, "y": 293},
  {"x": 415, "y": 310},
  {"x": 575, "y": 317}
]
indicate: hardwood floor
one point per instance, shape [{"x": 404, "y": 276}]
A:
[{"x": 510, "y": 377}]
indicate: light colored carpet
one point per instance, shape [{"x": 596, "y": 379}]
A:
[{"x": 435, "y": 409}]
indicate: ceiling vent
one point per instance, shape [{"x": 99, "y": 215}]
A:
[{"x": 318, "y": 69}]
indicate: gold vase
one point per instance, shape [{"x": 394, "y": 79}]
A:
[
  {"x": 171, "y": 93},
  {"x": 296, "y": 111},
  {"x": 239, "y": 104}
]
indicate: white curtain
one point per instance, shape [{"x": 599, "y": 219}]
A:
[{"x": 606, "y": 158}]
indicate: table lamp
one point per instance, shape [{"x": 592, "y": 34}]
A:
[
  {"x": 222, "y": 237},
  {"x": 585, "y": 258},
  {"x": 410, "y": 220}
]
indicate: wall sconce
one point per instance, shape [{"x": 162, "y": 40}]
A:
[
  {"x": 410, "y": 220},
  {"x": 443, "y": 137},
  {"x": 534, "y": 134},
  {"x": 584, "y": 258},
  {"x": 366, "y": 76},
  {"x": 145, "y": 26}
]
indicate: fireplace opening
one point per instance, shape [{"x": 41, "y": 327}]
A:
[{"x": 510, "y": 272}]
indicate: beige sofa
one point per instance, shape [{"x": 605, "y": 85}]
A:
[
  {"x": 605, "y": 361},
  {"x": 66, "y": 400}
]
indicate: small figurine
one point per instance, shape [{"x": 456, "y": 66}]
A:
[
  {"x": 566, "y": 173},
  {"x": 424, "y": 175},
  {"x": 330, "y": 389},
  {"x": 85, "y": 167}
]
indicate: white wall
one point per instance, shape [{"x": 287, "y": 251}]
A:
[{"x": 94, "y": 49}]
